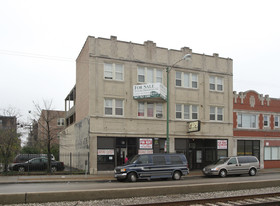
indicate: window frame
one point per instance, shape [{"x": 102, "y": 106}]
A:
[
  {"x": 276, "y": 117},
  {"x": 157, "y": 109},
  {"x": 267, "y": 125},
  {"x": 216, "y": 113},
  {"x": 114, "y": 107},
  {"x": 214, "y": 82},
  {"x": 60, "y": 122},
  {"x": 192, "y": 80},
  {"x": 256, "y": 118},
  {"x": 156, "y": 77},
  {"x": 192, "y": 110},
  {"x": 113, "y": 71}
]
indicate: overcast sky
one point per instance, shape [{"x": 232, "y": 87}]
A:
[{"x": 40, "y": 40}]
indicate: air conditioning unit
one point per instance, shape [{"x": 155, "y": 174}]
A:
[{"x": 159, "y": 115}]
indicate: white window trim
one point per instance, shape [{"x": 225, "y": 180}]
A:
[
  {"x": 268, "y": 121},
  {"x": 216, "y": 84},
  {"x": 190, "y": 80},
  {"x": 216, "y": 114},
  {"x": 257, "y": 121},
  {"x": 190, "y": 111},
  {"x": 278, "y": 116},
  {"x": 113, "y": 72},
  {"x": 60, "y": 122},
  {"x": 155, "y": 70},
  {"x": 154, "y": 110},
  {"x": 113, "y": 107}
]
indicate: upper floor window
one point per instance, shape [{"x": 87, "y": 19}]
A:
[
  {"x": 113, "y": 71},
  {"x": 185, "y": 111},
  {"x": 276, "y": 121},
  {"x": 266, "y": 120},
  {"x": 187, "y": 80},
  {"x": 247, "y": 121},
  {"x": 149, "y": 109},
  {"x": 216, "y": 113},
  {"x": 113, "y": 107},
  {"x": 149, "y": 75},
  {"x": 216, "y": 83},
  {"x": 60, "y": 122}
]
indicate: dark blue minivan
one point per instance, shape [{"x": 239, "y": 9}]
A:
[{"x": 151, "y": 166}]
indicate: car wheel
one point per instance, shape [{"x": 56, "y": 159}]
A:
[
  {"x": 54, "y": 169},
  {"x": 21, "y": 169},
  {"x": 223, "y": 173},
  {"x": 177, "y": 175},
  {"x": 132, "y": 177},
  {"x": 252, "y": 172}
]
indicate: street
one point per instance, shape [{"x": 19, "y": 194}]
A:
[{"x": 103, "y": 185}]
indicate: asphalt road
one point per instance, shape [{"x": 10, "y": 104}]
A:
[{"x": 104, "y": 185}]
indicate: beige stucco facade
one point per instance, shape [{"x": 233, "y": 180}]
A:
[{"x": 92, "y": 89}]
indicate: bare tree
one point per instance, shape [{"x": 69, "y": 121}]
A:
[
  {"x": 47, "y": 126},
  {"x": 9, "y": 138}
]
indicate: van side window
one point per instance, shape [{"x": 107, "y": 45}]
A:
[
  {"x": 144, "y": 159},
  {"x": 242, "y": 160},
  {"x": 232, "y": 161},
  {"x": 159, "y": 160},
  {"x": 175, "y": 160}
]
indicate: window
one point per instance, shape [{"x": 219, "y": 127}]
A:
[
  {"x": 216, "y": 83},
  {"x": 113, "y": 71},
  {"x": 185, "y": 111},
  {"x": 186, "y": 80},
  {"x": 248, "y": 121},
  {"x": 272, "y": 153},
  {"x": 216, "y": 113},
  {"x": 266, "y": 120},
  {"x": 150, "y": 110},
  {"x": 276, "y": 121},
  {"x": 113, "y": 107},
  {"x": 149, "y": 75},
  {"x": 60, "y": 122}
]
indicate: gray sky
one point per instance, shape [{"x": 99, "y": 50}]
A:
[{"x": 40, "y": 40}]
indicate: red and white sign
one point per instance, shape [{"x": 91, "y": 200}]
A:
[
  {"x": 105, "y": 152},
  {"x": 145, "y": 151},
  {"x": 145, "y": 143},
  {"x": 221, "y": 144}
]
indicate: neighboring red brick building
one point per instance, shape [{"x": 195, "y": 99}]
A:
[{"x": 256, "y": 128}]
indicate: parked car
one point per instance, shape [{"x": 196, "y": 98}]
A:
[
  {"x": 150, "y": 166},
  {"x": 25, "y": 157},
  {"x": 37, "y": 164},
  {"x": 233, "y": 165}
]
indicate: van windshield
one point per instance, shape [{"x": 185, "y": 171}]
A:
[
  {"x": 221, "y": 161},
  {"x": 132, "y": 160}
]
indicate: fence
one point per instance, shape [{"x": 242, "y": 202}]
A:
[{"x": 69, "y": 163}]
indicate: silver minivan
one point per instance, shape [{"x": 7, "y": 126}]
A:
[{"x": 233, "y": 166}]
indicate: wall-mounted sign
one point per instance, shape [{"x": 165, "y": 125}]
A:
[
  {"x": 221, "y": 144},
  {"x": 105, "y": 152},
  {"x": 193, "y": 126},
  {"x": 153, "y": 90},
  {"x": 145, "y": 151},
  {"x": 145, "y": 143}
]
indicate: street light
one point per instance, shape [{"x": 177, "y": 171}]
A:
[{"x": 168, "y": 69}]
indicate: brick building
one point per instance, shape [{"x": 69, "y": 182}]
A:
[{"x": 256, "y": 127}]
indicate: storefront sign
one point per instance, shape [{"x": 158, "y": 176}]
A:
[
  {"x": 105, "y": 152},
  {"x": 153, "y": 90},
  {"x": 221, "y": 144},
  {"x": 145, "y": 143},
  {"x": 145, "y": 151},
  {"x": 193, "y": 126}
]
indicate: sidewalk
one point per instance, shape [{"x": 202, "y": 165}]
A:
[{"x": 88, "y": 178}]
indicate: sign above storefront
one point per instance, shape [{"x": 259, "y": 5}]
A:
[
  {"x": 146, "y": 91},
  {"x": 145, "y": 143},
  {"x": 221, "y": 144},
  {"x": 193, "y": 126}
]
